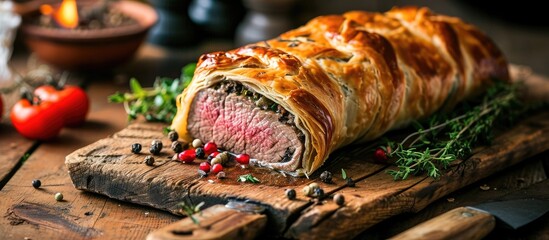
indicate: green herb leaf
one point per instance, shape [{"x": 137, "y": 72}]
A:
[
  {"x": 445, "y": 137},
  {"x": 188, "y": 208},
  {"x": 343, "y": 174},
  {"x": 157, "y": 103},
  {"x": 166, "y": 130},
  {"x": 187, "y": 74},
  {"x": 248, "y": 178},
  {"x": 136, "y": 88},
  {"x": 117, "y": 98}
]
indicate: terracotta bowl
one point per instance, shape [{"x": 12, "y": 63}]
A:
[{"x": 90, "y": 49}]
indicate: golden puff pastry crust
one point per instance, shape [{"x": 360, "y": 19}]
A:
[{"x": 352, "y": 77}]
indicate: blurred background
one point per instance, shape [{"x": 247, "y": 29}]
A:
[{"x": 187, "y": 28}]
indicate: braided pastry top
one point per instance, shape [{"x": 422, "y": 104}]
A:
[{"x": 353, "y": 77}]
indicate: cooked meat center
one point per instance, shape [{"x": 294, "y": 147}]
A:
[{"x": 241, "y": 123}]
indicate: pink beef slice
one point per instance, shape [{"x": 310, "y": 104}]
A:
[{"x": 236, "y": 124}]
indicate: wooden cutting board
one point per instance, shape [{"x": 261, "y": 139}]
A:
[{"x": 108, "y": 167}]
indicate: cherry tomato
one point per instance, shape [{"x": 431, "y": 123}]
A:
[
  {"x": 39, "y": 121},
  {"x": 72, "y": 100}
]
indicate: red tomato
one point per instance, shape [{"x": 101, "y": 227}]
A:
[
  {"x": 73, "y": 102},
  {"x": 39, "y": 122}
]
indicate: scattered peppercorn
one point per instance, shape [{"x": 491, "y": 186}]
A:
[
  {"x": 307, "y": 191},
  {"x": 173, "y": 136},
  {"x": 291, "y": 194},
  {"x": 187, "y": 156},
  {"x": 224, "y": 157},
  {"x": 339, "y": 199},
  {"x": 210, "y": 147},
  {"x": 212, "y": 156},
  {"x": 318, "y": 193},
  {"x": 156, "y": 147},
  {"x": 350, "y": 182},
  {"x": 149, "y": 160},
  {"x": 326, "y": 177},
  {"x": 59, "y": 197},
  {"x": 177, "y": 147},
  {"x": 380, "y": 155},
  {"x": 200, "y": 153},
  {"x": 221, "y": 175},
  {"x": 243, "y": 158},
  {"x": 136, "y": 148},
  {"x": 202, "y": 173},
  {"x": 216, "y": 168},
  {"x": 205, "y": 166},
  {"x": 36, "y": 183},
  {"x": 216, "y": 160},
  {"x": 197, "y": 143},
  {"x": 314, "y": 186}
]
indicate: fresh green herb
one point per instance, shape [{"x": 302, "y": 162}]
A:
[
  {"x": 188, "y": 208},
  {"x": 443, "y": 138},
  {"x": 166, "y": 130},
  {"x": 158, "y": 103},
  {"x": 343, "y": 174},
  {"x": 248, "y": 178}
]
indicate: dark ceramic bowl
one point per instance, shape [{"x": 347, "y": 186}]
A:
[{"x": 90, "y": 49}]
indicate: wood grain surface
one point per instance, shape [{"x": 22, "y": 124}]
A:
[
  {"x": 107, "y": 167},
  {"x": 462, "y": 223},
  {"x": 34, "y": 213},
  {"x": 216, "y": 222}
]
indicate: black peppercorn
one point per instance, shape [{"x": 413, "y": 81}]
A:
[
  {"x": 173, "y": 136},
  {"x": 177, "y": 147},
  {"x": 136, "y": 148},
  {"x": 350, "y": 182},
  {"x": 149, "y": 160},
  {"x": 326, "y": 177},
  {"x": 200, "y": 153},
  {"x": 36, "y": 183},
  {"x": 209, "y": 158},
  {"x": 156, "y": 147},
  {"x": 291, "y": 194},
  {"x": 318, "y": 193},
  {"x": 339, "y": 199}
]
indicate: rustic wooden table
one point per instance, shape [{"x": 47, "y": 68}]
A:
[{"x": 30, "y": 213}]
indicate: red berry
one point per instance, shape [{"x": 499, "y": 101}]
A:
[
  {"x": 217, "y": 168},
  {"x": 205, "y": 166},
  {"x": 243, "y": 158},
  {"x": 187, "y": 156},
  {"x": 210, "y": 147},
  {"x": 380, "y": 155}
]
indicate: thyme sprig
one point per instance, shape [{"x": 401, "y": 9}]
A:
[
  {"x": 445, "y": 137},
  {"x": 188, "y": 208},
  {"x": 156, "y": 104}
]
